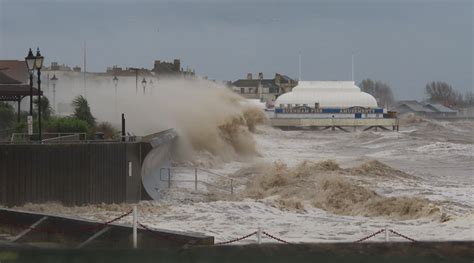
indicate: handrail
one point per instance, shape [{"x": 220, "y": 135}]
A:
[{"x": 195, "y": 181}]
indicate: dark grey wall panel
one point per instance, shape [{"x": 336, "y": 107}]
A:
[{"x": 73, "y": 174}]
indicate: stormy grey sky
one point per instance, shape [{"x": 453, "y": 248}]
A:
[{"x": 404, "y": 43}]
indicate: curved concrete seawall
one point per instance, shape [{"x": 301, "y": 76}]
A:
[{"x": 83, "y": 173}]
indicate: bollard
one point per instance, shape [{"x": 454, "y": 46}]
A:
[
  {"x": 123, "y": 127},
  {"x": 169, "y": 177},
  {"x": 387, "y": 238},
  {"x": 195, "y": 179},
  {"x": 259, "y": 235},
  {"x": 135, "y": 220}
]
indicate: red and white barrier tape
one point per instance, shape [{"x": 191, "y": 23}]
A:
[
  {"x": 403, "y": 236},
  {"x": 370, "y": 236},
  {"x": 237, "y": 239},
  {"x": 276, "y": 238}
]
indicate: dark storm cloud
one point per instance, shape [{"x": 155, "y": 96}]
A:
[{"x": 402, "y": 42}]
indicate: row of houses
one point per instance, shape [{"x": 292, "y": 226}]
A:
[
  {"x": 263, "y": 89},
  {"x": 424, "y": 109}
]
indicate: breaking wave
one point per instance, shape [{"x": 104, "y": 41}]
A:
[{"x": 327, "y": 186}]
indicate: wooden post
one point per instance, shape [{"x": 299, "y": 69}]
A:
[
  {"x": 169, "y": 177},
  {"x": 195, "y": 179},
  {"x": 259, "y": 235},
  {"x": 135, "y": 220},
  {"x": 19, "y": 110}
]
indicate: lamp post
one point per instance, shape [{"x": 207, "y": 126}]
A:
[
  {"x": 53, "y": 81},
  {"x": 144, "y": 85},
  {"x": 38, "y": 65},
  {"x": 115, "y": 81},
  {"x": 152, "y": 87},
  {"x": 30, "y": 64}
]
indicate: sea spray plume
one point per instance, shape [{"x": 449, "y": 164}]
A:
[{"x": 210, "y": 119}]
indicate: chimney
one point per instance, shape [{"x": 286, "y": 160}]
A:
[
  {"x": 277, "y": 78},
  {"x": 249, "y": 75},
  {"x": 260, "y": 76}
]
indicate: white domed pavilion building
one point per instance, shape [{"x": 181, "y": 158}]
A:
[{"x": 328, "y": 104}]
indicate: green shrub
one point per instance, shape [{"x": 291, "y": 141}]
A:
[
  {"x": 110, "y": 132},
  {"x": 7, "y": 116},
  {"x": 67, "y": 125}
]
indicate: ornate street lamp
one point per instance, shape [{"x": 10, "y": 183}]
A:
[
  {"x": 152, "y": 87},
  {"x": 53, "y": 81},
  {"x": 30, "y": 64},
  {"x": 115, "y": 80},
  {"x": 38, "y": 65},
  {"x": 144, "y": 85}
]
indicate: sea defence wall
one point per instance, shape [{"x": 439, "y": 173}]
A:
[
  {"x": 79, "y": 173},
  {"x": 71, "y": 173},
  {"x": 40, "y": 230},
  {"x": 429, "y": 252}
]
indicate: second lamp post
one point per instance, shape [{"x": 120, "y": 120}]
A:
[{"x": 35, "y": 62}]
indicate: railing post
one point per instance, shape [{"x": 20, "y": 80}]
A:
[
  {"x": 195, "y": 179},
  {"x": 169, "y": 177},
  {"x": 135, "y": 220},
  {"x": 231, "y": 186},
  {"x": 259, "y": 235}
]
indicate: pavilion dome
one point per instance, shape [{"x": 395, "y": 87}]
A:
[{"x": 329, "y": 94}]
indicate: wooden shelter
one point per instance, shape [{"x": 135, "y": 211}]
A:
[{"x": 13, "y": 90}]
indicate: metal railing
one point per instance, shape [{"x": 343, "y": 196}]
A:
[
  {"x": 48, "y": 137},
  {"x": 196, "y": 180}
]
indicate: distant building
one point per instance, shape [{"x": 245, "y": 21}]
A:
[
  {"x": 441, "y": 110},
  {"x": 159, "y": 69},
  {"x": 263, "y": 89},
  {"x": 170, "y": 69},
  {"x": 330, "y": 104},
  {"x": 56, "y": 67},
  {"x": 424, "y": 109}
]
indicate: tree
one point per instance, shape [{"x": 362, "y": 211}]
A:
[
  {"x": 442, "y": 92},
  {"x": 7, "y": 116},
  {"x": 46, "y": 110},
  {"x": 82, "y": 110},
  {"x": 380, "y": 90},
  {"x": 469, "y": 99}
]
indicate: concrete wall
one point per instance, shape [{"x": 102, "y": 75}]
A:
[{"x": 419, "y": 252}]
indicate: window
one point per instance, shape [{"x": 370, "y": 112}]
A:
[{"x": 242, "y": 90}]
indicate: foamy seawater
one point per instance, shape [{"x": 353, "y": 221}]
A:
[{"x": 431, "y": 160}]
